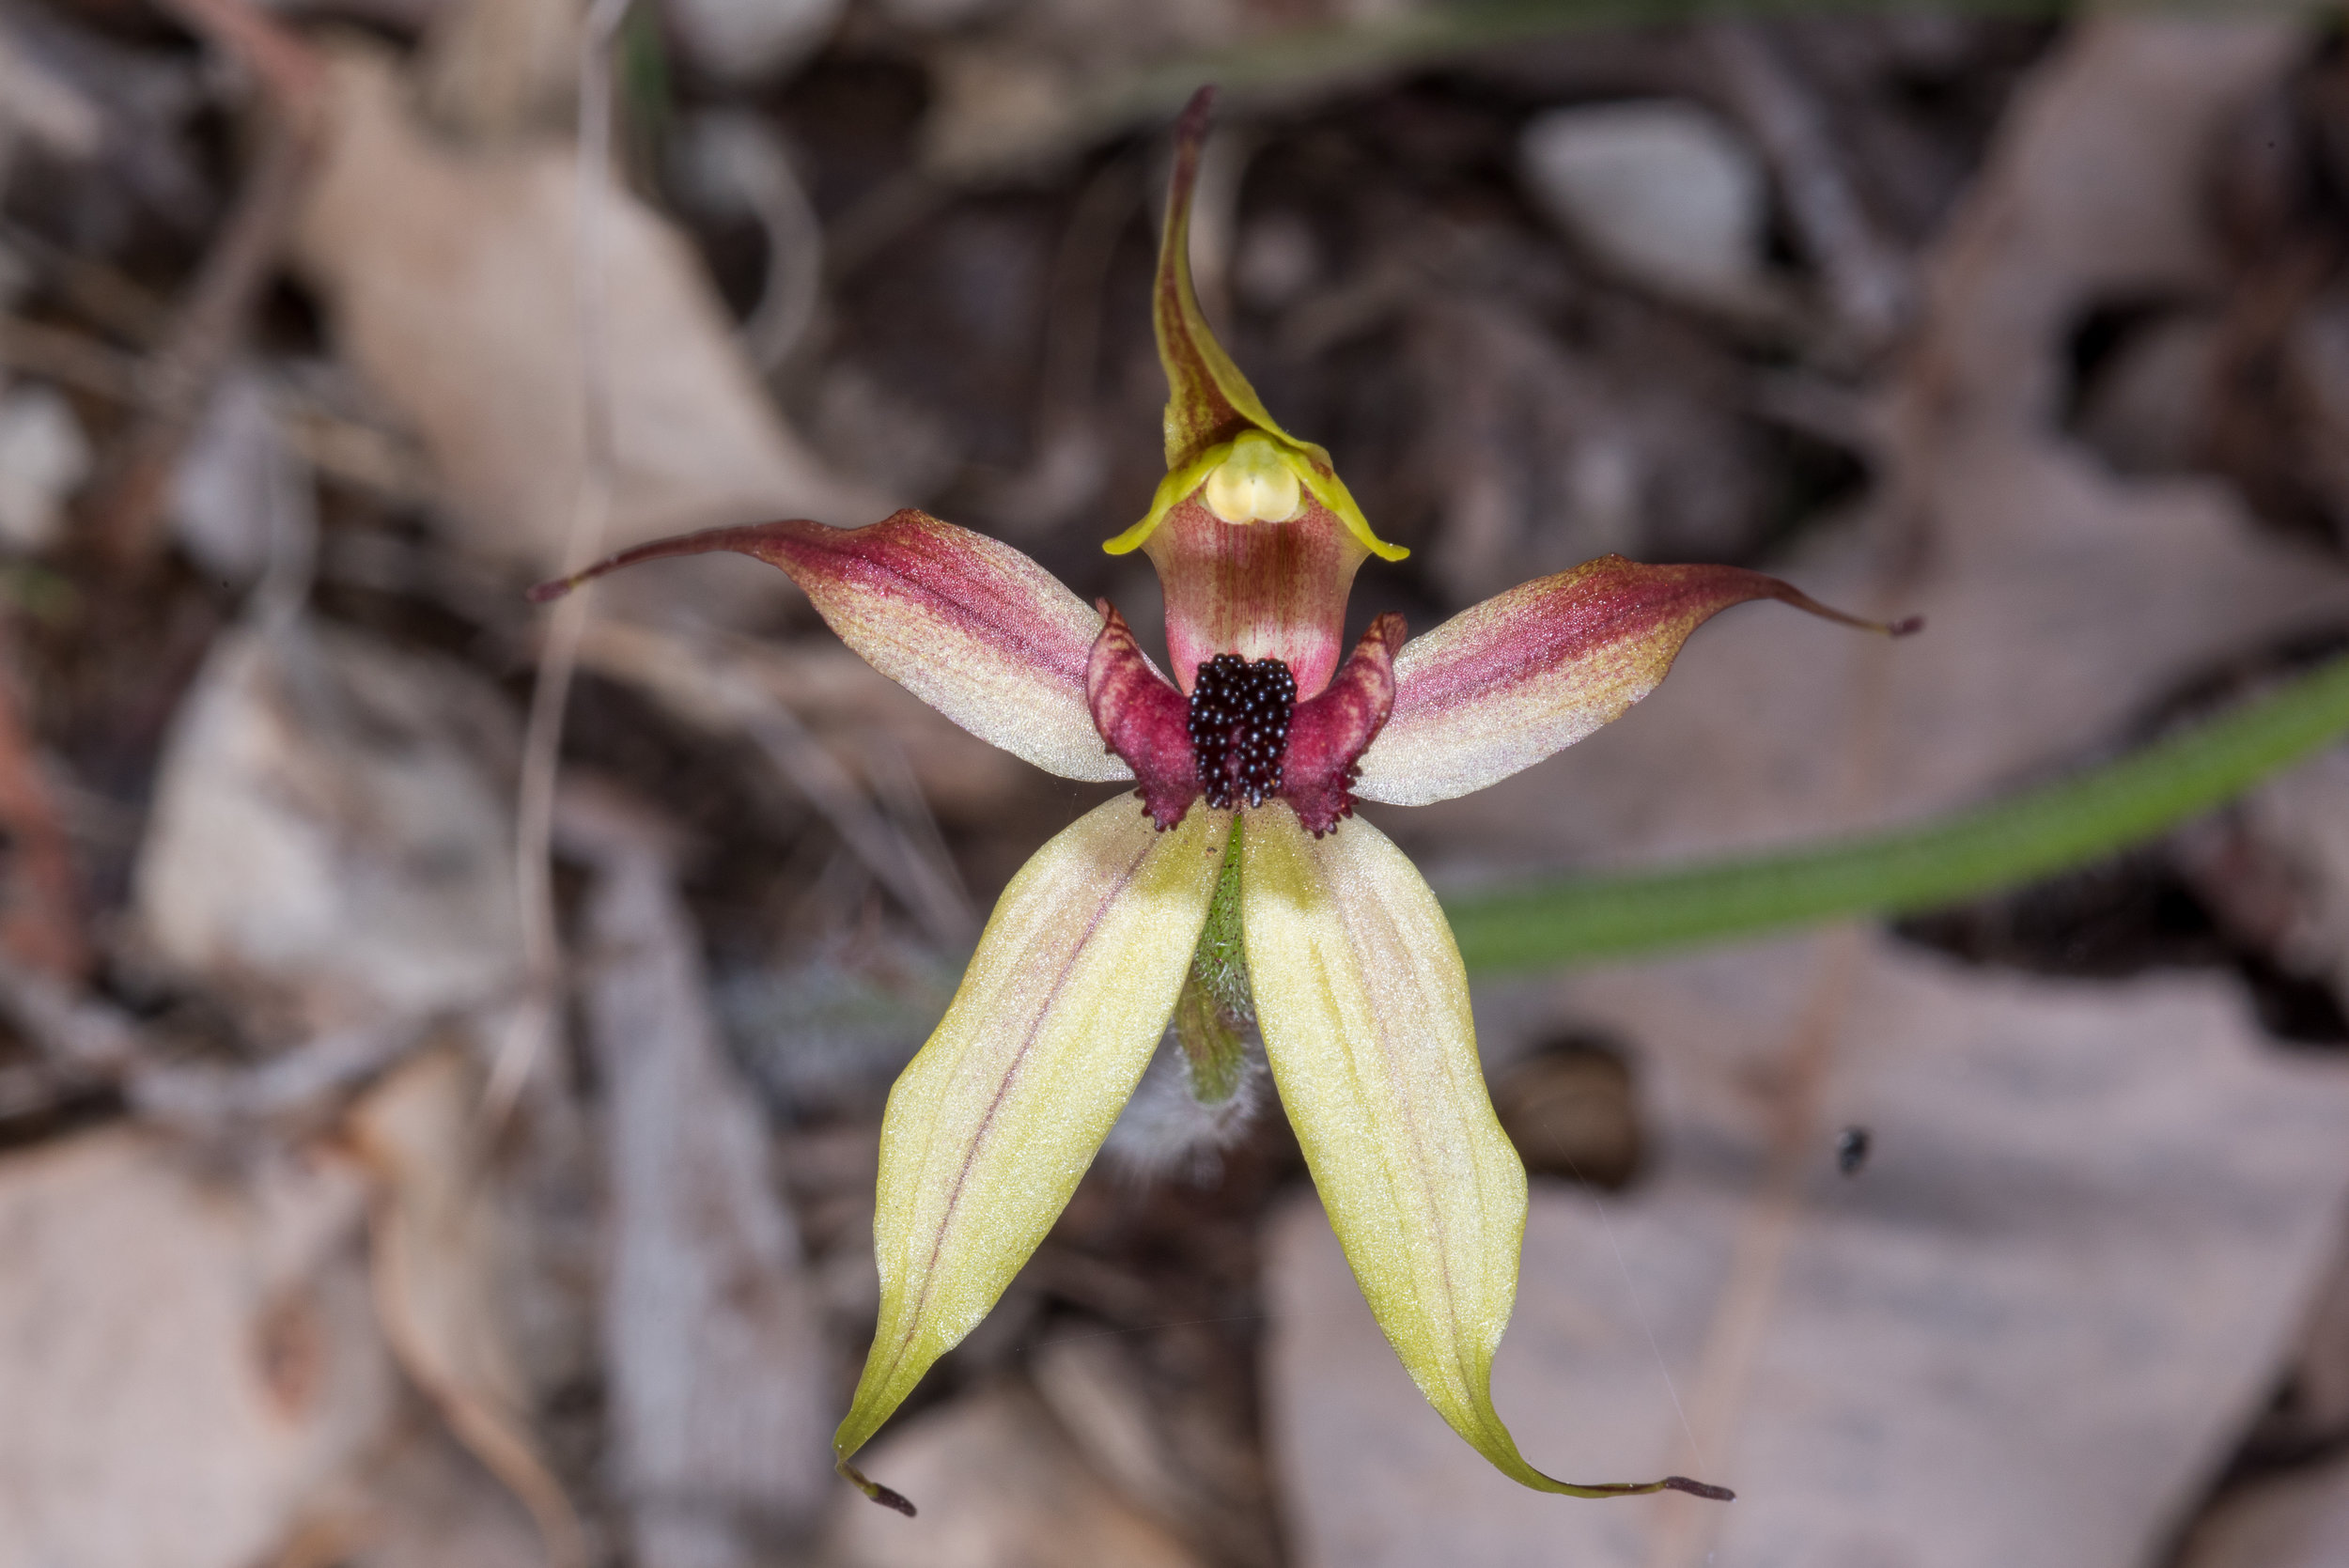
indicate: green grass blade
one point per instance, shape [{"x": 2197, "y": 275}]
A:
[{"x": 1960, "y": 856}]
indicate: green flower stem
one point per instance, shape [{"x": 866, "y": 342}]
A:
[{"x": 1961, "y": 856}]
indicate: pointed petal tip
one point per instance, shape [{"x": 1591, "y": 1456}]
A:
[
  {"x": 551, "y": 589},
  {"x": 888, "y": 1496},
  {"x": 1785, "y": 593},
  {"x": 1191, "y": 127},
  {"x": 1515, "y": 1466},
  {"x": 1698, "y": 1489},
  {"x": 997, "y": 1118}
]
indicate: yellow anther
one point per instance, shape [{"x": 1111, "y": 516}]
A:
[{"x": 1255, "y": 484}]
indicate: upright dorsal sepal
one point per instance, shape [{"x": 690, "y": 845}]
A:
[
  {"x": 1219, "y": 433},
  {"x": 1208, "y": 402}
]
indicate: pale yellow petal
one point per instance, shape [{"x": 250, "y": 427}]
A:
[
  {"x": 992, "y": 1126},
  {"x": 1364, "y": 1011}
]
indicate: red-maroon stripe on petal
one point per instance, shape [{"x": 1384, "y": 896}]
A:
[
  {"x": 968, "y": 624},
  {"x": 1329, "y": 733},
  {"x": 1505, "y": 683},
  {"x": 1262, "y": 590},
  {"x": 1144, "y": 719}
]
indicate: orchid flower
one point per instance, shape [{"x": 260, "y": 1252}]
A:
[{"x": 1240, "y": 892}]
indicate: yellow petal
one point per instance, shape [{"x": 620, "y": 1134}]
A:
[
  {"x": 994, "y": 1122},
  {"x": 1364, "y": 1011}
]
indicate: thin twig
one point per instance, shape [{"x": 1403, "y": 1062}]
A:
[
  {"x": 535, "y": 1019},
  {"x": 1070, "y": 460},
  {"x": 1683, "y": 1537},
  {"x": 1868, "y": 280},
  {"x": 1806, "y": 1059},
  {"x": 40, "y": 891},
  {"x": 363, "y": 455},
  {"x": 743, "y": 154},
  {"x": 84, "y": 1043},
  {"x": 67, "y": 357},
  {"x": 306, "y": 1084},
  {"x": 719, "y": 690},
  {"x": 125, "y": 511},
  {"x": 77, "y": 1038},
  {"x": 289, "y": 69}
]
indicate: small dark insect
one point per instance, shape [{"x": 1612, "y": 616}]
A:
[{"x": 1851, "y": 1150}]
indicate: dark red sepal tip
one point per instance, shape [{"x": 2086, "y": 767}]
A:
[{"x": 1699, "y": 1489}]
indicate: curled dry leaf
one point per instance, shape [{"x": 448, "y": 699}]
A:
[
  {"x": 425, "y": 1503},
  {"x": 437, "y": 1250},
  {"x": 449, "y": 281},
  {"x": 330, "y": 838}
]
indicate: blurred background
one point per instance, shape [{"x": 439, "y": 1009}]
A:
[{"x": 431, "y": 1137}]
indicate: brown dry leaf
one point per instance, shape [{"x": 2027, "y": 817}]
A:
[
  {"x": 330, "y": 839},
  {"x": 2320, "y": 1363},
  {"x": 449, "y": 279},
  {"x": 187, "y": 1356},
  {"x": 491, "y": 69},
  {"x": 2023, "y": 1334},
  {"x": 426, "y": 1504},
  {"x": 721, "y": 1404},
  {"x": 1000, "y": 1487},
  {"x": 439, "y": 1259}
]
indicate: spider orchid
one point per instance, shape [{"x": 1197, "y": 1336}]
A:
[{"x": 1240, "y": 893}]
